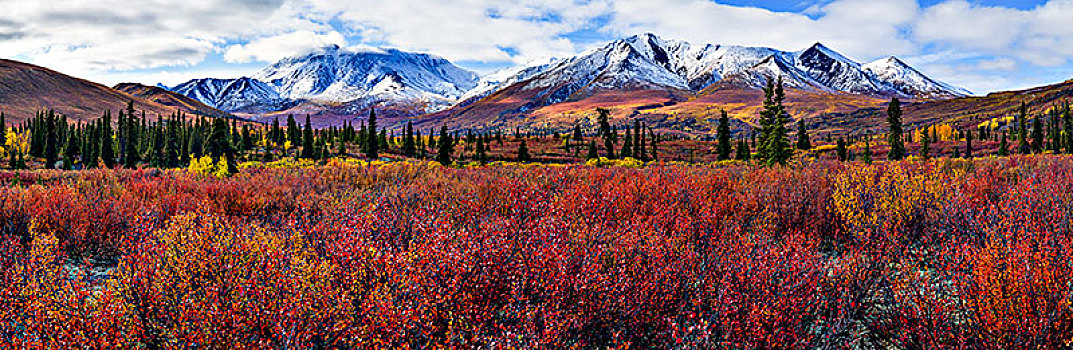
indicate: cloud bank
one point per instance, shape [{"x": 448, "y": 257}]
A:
[{"x": 984, "y": 48}]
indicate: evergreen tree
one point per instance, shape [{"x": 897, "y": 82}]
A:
[
  {"x": 627, "y": 145},
  {"x": 1067, "y": 124},
  {"x": 743, "y": 153},
  {"x": 294, "y": 134},
  {"x": 774, "y": 143},
  {"x": 638, "y": 141},
  {"x": 446, "y": 147},
  {"x": 409, "y": 148},
  {"x": 655, "y": 147},
  {"x": 219, "y": 145},
  {"x": 308, "y": 149},
  {"x": 925, "y": 144},
  {"x": 1022, "y": 135},
  {"x": 867, "y": 156},
  {"x": 171, "y": 144},
  {"x": 1037, "y": 135},
  {"x": 131, "y": 156},
  {"x": 803, "y": 142},
  {"x": 383, "y": 140},
  {"x": 609, "y": 145},
  {"x": 107, "y": 146},
  {"x": 91, "y": 145},
  {"x": 276, "y": 135},
  {"x": 895, "y": 138},
  {"x": 51, "y": 140},
  {"x": 592, "y": 151},
  {"x": 12, "y": 163},
  {"x": 604, "y": 125},
  {"x": 724, "y": 136},
  {"x": 841, "y": 150},
  {"x": 3, "y": 129},
  {"x": 968, "y": 145},
  {"x": 70, "y": 151},
  {"x": 1003, "y": 146},
  {"x": 523, "y": 152},
  {"x": 372, "y": 143},
  {"x": 481, "y": 156}
]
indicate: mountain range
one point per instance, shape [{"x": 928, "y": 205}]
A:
[{"x": 335, "y": 83}]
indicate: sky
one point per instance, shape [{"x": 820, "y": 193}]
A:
[{"x": 982, "y": 45}]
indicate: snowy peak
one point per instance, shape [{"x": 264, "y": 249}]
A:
[
  {"x": 911, "y": 82},
  {"x": 336, "y": 74},
  {"x": 647, "y": 61},
  {"x": 232, "y": 95}
]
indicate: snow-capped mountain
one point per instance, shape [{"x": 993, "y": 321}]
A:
[
  {"x": 232, "y": 95},
  {"x": 338, "y": 75},
  {"x": 910, "y": 81},
  {"x": 650, "y": 62},
  {"x": 501, "y": 79}
]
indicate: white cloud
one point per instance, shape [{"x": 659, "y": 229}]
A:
[
  {"x": 1041, "y": 36},
  {"x": 99, "y": 38},
  {"x": 862, "y": 29},
  {"x": 1003, "y": 64},
  {"x": 274, "y": 48}
]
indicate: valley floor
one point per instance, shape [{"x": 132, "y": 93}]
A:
[{"x": 947, "y": 253}]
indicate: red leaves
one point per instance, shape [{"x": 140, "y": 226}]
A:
[{"x": 664, "y": 257}]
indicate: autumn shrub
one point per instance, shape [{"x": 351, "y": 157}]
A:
[{"x": 915, "y": 254}]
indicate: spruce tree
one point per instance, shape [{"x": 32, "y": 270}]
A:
[
  {"x": 219, "y": 144},
  {"x": 307, "y": 141},
  {"x": 481, "y": 155},
  {"x": 592, "y": 151},
  {"x": 627, "y": 145},
  {"x": 867, "y": 156},
  {"x": 372, "y": 142},
  {"x": 895, "y": 138},
  {"x": 774, "y": 143},
  {"x": 925, "y": 144},
  {"x": 803, "y": 142},
  {"x": 91, "y": 145},
  {"x": 51, "y": 141},
  {"x": 3, "y": 129},
  {"x": 1037, "y": 135},
  {"x": 409, "y": 148},
  {"x": 171, "y": 144},
  {"x": 968, "y": 145},
  {"x": 655, "y": 146},
  {"x": 638, "y": 141},
  {"x": 523, "y": 152},
  {"x": 106, "y": 145},
  {"x": 383, "y": 140},
  {"x": 1067, "y": 125},
  {"x": 724, "y": 136},
  {"x": 604, "y": 125},
  {"x": 70, "y": 151},
  {"x": 446, "y": 147},
  {"x": 294, "y": 134},
  {"x": 743, "y": 152},
  {"x": 131, "y": 156},
  {"x": 1022, "y": 134},
  {"x": 1003, "y": 146},
  {"x": 841, "y": 150}
]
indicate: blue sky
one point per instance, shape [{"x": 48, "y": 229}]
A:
[{"x": 982, "y": 45}]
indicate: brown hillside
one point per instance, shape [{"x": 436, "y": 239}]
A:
[
  {"x": 170, "y": 99},
  {"x": 26, "y": 89}
]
